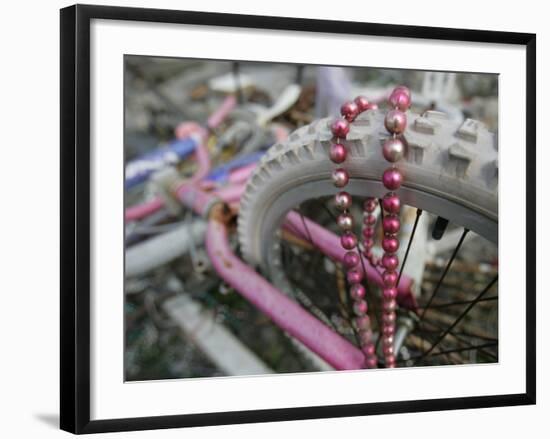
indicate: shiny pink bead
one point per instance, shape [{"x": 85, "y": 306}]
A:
[
  {"x": 369, "y": 220},
  {"x": 390, "y": 262},
  {"x": 388, "y": 330},
  {"x": 388, "y": 318},
  {"x": 357, "y": 291},
  {"x": 367, "y": 253},
  {"x": 395, "y": 121},
  {"x": 389, "y": 305},
  {"x": 389, "y": 278},
  {"x": 390, "y": 360},
  {"x": 369, "y": 349},
  {"x": 370, "y": 205},
  {"x": 393, "y": 149},
  {"x": 362, "y": 323},
  {"x": 392, "y": 179},
  {"x": 342, "y": 200},
  {"x": 340, "y": 177},
  {"x": 368, "y": 232},
  {"x": 338, "y": 153},
  {"x": 388, "y": 350},
  {"x": 403, "y": 89},
  {"x": 349, "y": 110},
  {"x": 390, "y": 244},
  {"x": 340, "y": 128},
  {"x": 351, "y": 259},
  {"x": 348, "y": 240},
  {"x": 362, "y": 103},
  {"x": 371, "y": 362},
  {"x": 400, "y": 99},
  {"x": 389, "y": 293},
  {"x": 360, "y": 307},
  {"x": 345, "y": 221},
  {"x": 387, "y": 340},
  {"x": 391, "y": 203},
  {"x": 391, "y": 224},
  {"x": 355, "y": 276},
  {"x": 372, "y": 107}
]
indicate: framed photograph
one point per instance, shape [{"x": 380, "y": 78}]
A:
[{"x": 276, "y": 218}]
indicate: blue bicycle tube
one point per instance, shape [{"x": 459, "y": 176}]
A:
[{"x": 137, "y": 171}]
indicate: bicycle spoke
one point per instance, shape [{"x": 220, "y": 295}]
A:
[
  {"x": 449, "y": 263},
  {"x": 450, "y": 351},
  {"x": 460, "y": 317},
  {"x": 461, "y": 302},
  {"x": 417, "y": 341},
  {"x": 470, "y": 331},
  {"x": 411, "y": 237},
  {"x": 460, "y": 338},
  {"x": 481, "y": 337},
  {"x": 463, "y": 332}
]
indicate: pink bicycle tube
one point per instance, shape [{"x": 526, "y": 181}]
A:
[
  {"x": 142, "y": 210},
  {"x": 241, "y": 175},
  {"x": 231, "y": 193},
  {"x": 216, "y": 118},
  {"x": 284, "y": 312}
]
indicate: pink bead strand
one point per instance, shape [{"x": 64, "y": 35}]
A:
[
  {"x": 392, "y": 150},
  {"x": 340, "y": 177}
]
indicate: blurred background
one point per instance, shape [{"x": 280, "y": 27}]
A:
[{"x": 174, "y": 300}]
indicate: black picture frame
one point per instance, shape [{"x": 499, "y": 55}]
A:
[{"x": 75, "y": 217}]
